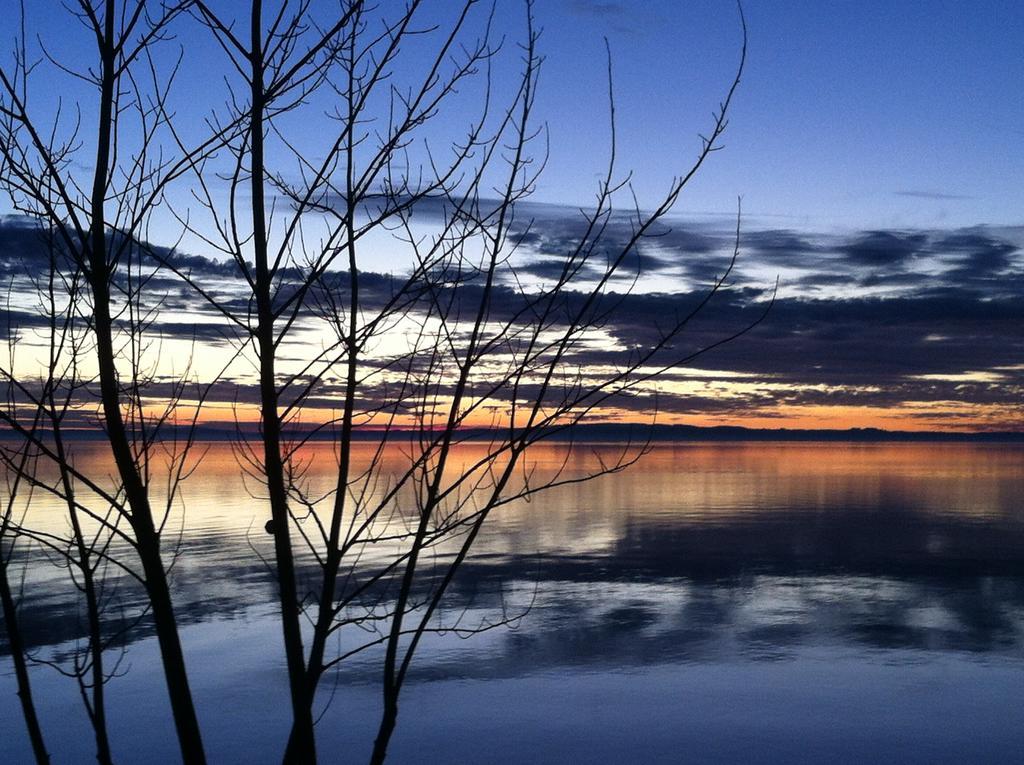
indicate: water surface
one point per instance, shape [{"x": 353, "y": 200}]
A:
[{"x": 763, "y": 602}]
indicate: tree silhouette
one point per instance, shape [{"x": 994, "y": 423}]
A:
[{"x": 324, "y": 148}]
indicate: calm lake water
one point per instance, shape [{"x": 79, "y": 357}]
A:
[{"x": 724, "y": 603}]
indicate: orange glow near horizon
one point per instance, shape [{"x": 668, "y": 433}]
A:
[{"x": 919, "y": 416}]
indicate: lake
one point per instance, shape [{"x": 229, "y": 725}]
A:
[{"x": 717, "y": 603}]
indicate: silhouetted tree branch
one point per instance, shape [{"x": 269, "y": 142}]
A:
[{"x": 326, "y": 146}]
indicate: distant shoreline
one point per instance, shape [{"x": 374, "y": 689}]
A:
[{"x": 616, "y": 433}]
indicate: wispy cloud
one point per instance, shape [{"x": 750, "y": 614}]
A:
[
  {"x": 936, "y": 195},
  {"x": 598, "y": 8},
  {"x": 622, "y": 18}
]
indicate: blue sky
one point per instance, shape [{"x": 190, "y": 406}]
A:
[{"x": 850, "y": 114}]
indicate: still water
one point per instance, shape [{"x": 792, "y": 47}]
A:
[{"x": 723, "y": 603}]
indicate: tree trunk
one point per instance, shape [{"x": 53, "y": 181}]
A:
[
  {"x": 302, "y": 744},
  {"x": 387, "y": 727},
  {"x": 185, "y": 721},
  {"x": 28, "y": 706}
]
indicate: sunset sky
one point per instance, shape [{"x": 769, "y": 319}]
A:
[{"x": 877, "y": 150}]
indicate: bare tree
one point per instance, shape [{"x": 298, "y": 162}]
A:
[
  {"x": 420, "y": 360},
  {"x": 16, "y": 486},
  {"x": 85, "y": 552},
  {"x": 458, "y": 344},
  {"x": 97, "y": 226}
]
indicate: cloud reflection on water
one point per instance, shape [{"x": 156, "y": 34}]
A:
[{"x": 703, "y": 553}]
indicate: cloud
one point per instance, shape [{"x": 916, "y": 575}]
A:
[
  {"x": 881, "y": 318},
  {"x": 975, "y": 255},
  {"x": 935, "y": 195},
  {"x": 773, "y": 242},
  {"x": 884, "y": 248},
  {"x": 598, "y": 8}
]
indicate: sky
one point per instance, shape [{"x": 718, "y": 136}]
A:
[
  {"x": 876, "y": 147},
  {"x": 851, "y": 115}
]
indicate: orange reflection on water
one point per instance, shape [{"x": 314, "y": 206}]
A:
[{"x": 688, "y": 482}]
